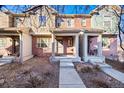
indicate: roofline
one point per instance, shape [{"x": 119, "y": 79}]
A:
[
  {"x": 21, "y": 15},
  {"x": 37, "y": 6},
  {"x": 73, "y": 15},
  {"x": 102, "y": 6}
]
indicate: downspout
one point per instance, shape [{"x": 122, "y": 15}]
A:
[{"x": 21, "y": 47}]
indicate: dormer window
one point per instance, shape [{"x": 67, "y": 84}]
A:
[{"x": 42, "y": 20}]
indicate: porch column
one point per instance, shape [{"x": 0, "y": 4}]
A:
[
  {"x": 53, "y": 44},
  {"x": 77, "y": 45},
  {"x": 85, "y": 44},
  {"x": 99, "y": 40},
  {"x": 21, "y": 48}
]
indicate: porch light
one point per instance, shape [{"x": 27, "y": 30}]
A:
[{"x": 81, "y": 32}]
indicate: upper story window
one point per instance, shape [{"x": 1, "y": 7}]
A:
[
  {"x": 42, "y": 20},
  {"x": 16, "y": 21},
  {"x": 107, "y": 23},
  {"x": 2, "y": 43},
  {"x": 83, "y": 22},
  {"x": 70, "y": 22},
  {"x": 58, "y": 22}
]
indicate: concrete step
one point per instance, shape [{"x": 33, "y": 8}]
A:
[
  {"x": 5, "y": 60},
  {"x": 105, "y": 66},
  {"x": 66, "y": 60},
  {"x": 66, "y": 65}
]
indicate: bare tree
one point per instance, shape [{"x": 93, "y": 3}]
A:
[{"x": 120, "y": 23}]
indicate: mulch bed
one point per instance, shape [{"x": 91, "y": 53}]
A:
[
  {"x": 34, "y": 73},
  {"x": 116, "y": 65},
  {"x": 97, "y": 79}
]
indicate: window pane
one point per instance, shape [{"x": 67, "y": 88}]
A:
[
  {"x": 42, "y": 20},
  {"x": 43, "y": 42}
]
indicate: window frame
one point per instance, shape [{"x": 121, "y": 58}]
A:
[
  {"x": 71, "y": 24},
  {"x": 43, "y": 24},
  {"x": 43, "y": 42},
  {"x": 107, "y": 18}
]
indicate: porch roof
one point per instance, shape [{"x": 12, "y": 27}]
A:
[
  {"x": 93, "y": 30},
  {"x": 66, "y": 31},
  {"x": 11, "y": 31},
  {"x": 110, "y": 34}
]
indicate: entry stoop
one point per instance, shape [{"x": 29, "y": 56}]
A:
[{"x": 5, "y": 60}]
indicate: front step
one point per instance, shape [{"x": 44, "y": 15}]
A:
[
  {"x": 5, "y": 60},
  {"x": 66, "y": 60},
  {"x": 66, "y": 65}
]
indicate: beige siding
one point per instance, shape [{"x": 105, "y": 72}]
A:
[
  {"x": 4, "y": 20},
  {"x": 33, "y": 22}
]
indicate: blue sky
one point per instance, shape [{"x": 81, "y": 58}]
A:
[{"x": 64, "y": 9}]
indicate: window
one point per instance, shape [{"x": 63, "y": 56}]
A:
[
  {"x": 2, "y": 43},
  {"x": 16, "y": 21},
  {"x": 70, "y": 22},
  {"x": 83, "y": 22},
  {"x": 42, "y": 20},
  {"x": 43, "y": 42},
  {"x": 106, "y": 43},
  {"x": 107, "y": 21},
  {"x": 58, "y": 22}
]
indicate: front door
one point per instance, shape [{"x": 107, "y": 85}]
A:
[{"x": 60, "y": 47}]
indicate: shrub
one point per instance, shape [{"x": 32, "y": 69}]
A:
[
  {"x": 97, "y": 68},
  {"x": 34, "y": 81},
  {"x": 86, "y": 69},
  {"x": 101, "y": 83}
]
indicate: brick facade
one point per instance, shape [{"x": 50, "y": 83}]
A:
[{"x": 40, "y": 52}]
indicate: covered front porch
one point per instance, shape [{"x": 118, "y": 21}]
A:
[
  {"x": 65, "y": 45},
  {"x": 92, "y": 46},
  {"x": 19, "y": 44}
]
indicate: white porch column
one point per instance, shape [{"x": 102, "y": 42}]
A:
[
  {"x": 77, "y": 45},
  {"x": 85, "y": 46},
  {"x": 99, "y": 40},
  {"x": 21, "y": 48},
  {"x": 53, "y": 44}
]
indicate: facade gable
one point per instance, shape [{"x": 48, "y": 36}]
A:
[{"x": 105, "y": 19}]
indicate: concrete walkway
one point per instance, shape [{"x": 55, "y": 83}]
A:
[
  {"x": 114, "y": 73},
  {"x": 68, "y": 77}
]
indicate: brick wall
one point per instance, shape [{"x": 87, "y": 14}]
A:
[{"x": 40, "y": 52}]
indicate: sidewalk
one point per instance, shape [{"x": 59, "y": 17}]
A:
[
  {"x": 68, "y": 77},
  {"x": 114, "y": 73}
]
